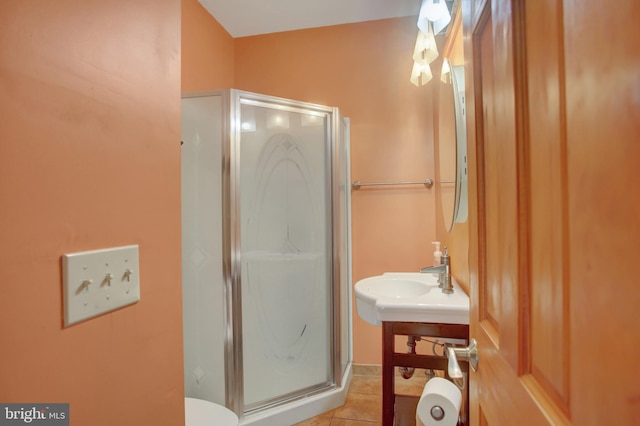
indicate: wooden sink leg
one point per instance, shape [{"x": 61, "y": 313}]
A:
[{"x": 388, "y": 388}]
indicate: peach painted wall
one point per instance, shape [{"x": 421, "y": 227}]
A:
[
  {"x": 90, "y": 158},
  {"x": 364, "y": 70},
  {"x": 207, "y": 51}
]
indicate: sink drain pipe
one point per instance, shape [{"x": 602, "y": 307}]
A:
[{"x": 407, "y": 372}]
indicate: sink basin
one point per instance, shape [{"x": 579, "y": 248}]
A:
[
  {"x": 393, "y": 287},
  {"x": 410, "y": 297}
]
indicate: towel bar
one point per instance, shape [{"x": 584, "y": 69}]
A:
[{"x": 428, "y": 183}]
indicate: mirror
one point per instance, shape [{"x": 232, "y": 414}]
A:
[{"x": 452, "y": 145}]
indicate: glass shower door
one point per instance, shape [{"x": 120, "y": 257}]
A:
[{"x": 285, "y": 219}]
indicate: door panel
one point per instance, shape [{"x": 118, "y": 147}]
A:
[
  {"x": 603, "y": 130},
  {"x": 519, "y": 333},
  {"x": 553, "y": 113},
  {"x": 491, "y": 178},
  {"x": 548, "y": 285}
]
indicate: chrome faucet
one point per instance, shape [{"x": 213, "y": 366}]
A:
[{"x": 444, "y": 272}]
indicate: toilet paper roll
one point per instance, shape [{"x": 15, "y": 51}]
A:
[{"x": 439, "y": 392}]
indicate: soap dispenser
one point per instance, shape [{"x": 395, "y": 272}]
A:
[{"x": 437, "y": 254}]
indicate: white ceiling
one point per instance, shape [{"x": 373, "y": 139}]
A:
[{"x": 252, "y": 17}]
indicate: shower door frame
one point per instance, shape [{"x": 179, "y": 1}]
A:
[{"x": 232, "y": 100}]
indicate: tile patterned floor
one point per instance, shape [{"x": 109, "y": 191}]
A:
[{"x": 363, "y": 406}]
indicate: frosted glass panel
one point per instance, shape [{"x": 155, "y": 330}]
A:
[
  {"x": 286, "y": 320},
  {"x": 202, "y": 276},
  {"x": 344, "y": 235}
]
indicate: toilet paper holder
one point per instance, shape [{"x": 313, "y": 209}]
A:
[{"x": 470, "y": 353}]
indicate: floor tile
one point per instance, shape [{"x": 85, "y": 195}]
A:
[
  {"x": 359, "y": 406},
  {"x": 363, "y": 406},
  {"x": 371, "y": 385}
]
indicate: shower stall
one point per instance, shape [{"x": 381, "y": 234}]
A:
[{"x": 266, "y": 255}]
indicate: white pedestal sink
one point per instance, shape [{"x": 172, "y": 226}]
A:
[{"x": 410, "y": 297}]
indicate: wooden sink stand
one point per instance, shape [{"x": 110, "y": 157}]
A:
[{"x": 392, "y": 359}]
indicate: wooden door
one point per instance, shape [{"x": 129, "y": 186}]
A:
[{"x": 553, "y": 102}]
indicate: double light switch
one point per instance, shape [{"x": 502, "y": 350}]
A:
[{"x": 99, "y": 281}]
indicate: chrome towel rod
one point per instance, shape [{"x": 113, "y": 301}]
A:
[{"x": 428, "y": 183}]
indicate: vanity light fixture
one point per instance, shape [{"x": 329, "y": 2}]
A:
[
  {"x": 421, "y": 73},
  {"x": 445, "y": 74},
  {"x": 436, "y": 13},
  {"x": 424, "y": 52},
  {"x": 433, "y": 18}
]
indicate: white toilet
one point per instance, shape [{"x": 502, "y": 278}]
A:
[{"x": 198, "y": 412}]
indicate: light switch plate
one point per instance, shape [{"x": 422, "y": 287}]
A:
[{"x": 99, "y": 281}]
